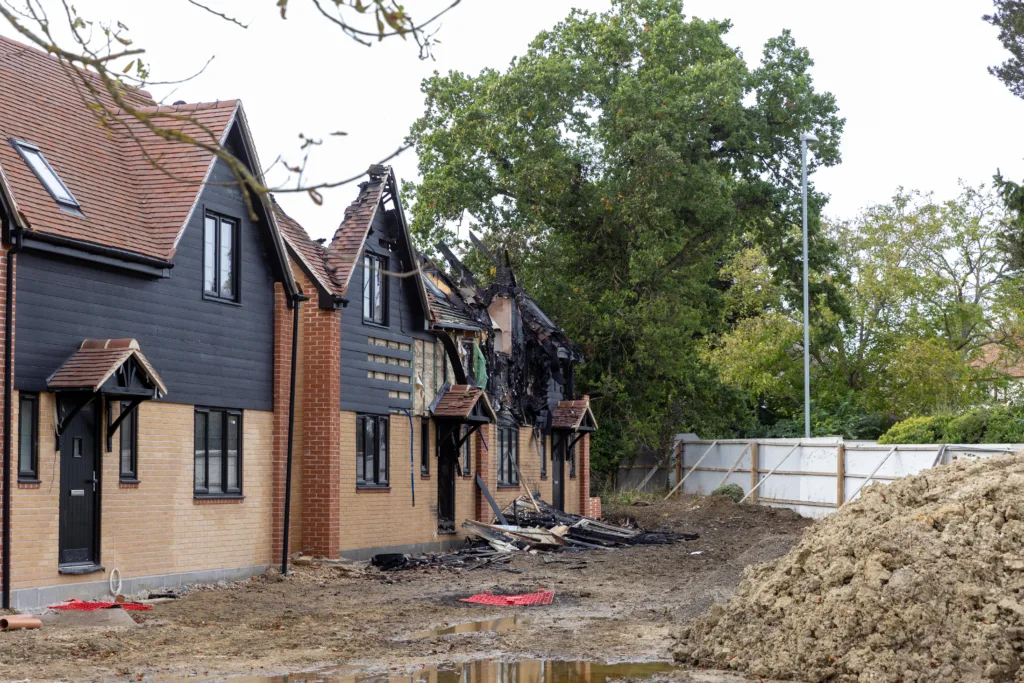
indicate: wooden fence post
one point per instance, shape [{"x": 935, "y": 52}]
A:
[
  {"x": 840, "y": 475},
  {"x": 754, "y": 466}
]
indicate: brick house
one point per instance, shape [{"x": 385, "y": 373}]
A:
[
  {"x": 178, "y": 350},
  {"x": 144, "y": 401},
  {"x": 413, "y": 412}
]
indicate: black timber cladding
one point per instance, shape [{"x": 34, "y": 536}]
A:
[
  {"x": 207, "y": 352},
  {"x": 360, "y": 393}
]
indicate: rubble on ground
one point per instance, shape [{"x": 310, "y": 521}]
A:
[
  {"x": 539, "y": 527},
  {"x": 921, "y": 579}
]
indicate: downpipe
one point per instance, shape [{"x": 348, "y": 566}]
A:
[
  {"x": 297, "y": 300},
  {"x": 16, "y": 241}
]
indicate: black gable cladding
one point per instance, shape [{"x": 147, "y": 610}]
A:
[
  {"x": 405, "y": 316},
  {"x": 207, "y": 352}
]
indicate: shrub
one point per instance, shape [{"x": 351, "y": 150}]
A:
[
  {"x": 929, "y": 429},
  {"x": 1005, "y": 425},
  {"x": 734, "y": 491},
  {"x": 967, "y": 428}
]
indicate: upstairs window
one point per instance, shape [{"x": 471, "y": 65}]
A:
[
  {"x": 375, "y": 290},
  {"x": 35, "y": 160},
  {"x": 220, "y": 257}
]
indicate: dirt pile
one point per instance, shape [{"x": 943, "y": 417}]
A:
[{"x": 920, "y": 580}]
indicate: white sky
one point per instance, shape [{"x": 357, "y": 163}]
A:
[{"x": 909, "y": 75}]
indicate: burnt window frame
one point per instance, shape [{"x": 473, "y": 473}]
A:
[
  {"x": 30, "y": 475},
  {"x": 378, "y": 481},
  {"x": 129, "y": 431},
  {"x": 572, "y": 461},
  {"x": 467, "y": 452},
  {"x": 381, "y": 267},
  {"x": 508, "y": 457},
  {"x": 236, "y": 260},
  {"x": 543, "y": 455},
  {"x": 424, "y": 447},
  {"x": 24, "y": 149},
  {"x": 224, "y": 491}
]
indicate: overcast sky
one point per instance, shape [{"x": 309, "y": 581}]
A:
[{"x": 909, "y": 75}]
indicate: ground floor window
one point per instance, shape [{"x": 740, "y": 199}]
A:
[
  {"x": 508, "y": 448},
  {"x": 425, "y": 447},
  {"x": 129, "y": 430},
  {"x": 467, "y": 451},
  {"x": 28, "y": 436},
  {"x": 218, "y": 452},
  {"x": 372, "y": 450},
  {"x": 572, "y": 461},
  {"x": 542, "y": 448}
]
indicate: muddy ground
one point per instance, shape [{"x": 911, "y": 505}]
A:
[{"x": 610, "y": 606}]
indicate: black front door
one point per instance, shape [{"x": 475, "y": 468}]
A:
[
  {"x": 446, "y": 483},
  {"x": 558, "y": 471},
  {"x": 79, "y": 488}
]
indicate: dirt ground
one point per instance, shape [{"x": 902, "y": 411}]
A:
[{"x": 616, "y": 605}]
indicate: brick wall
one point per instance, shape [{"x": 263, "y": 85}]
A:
[{"x": 154, "y": 527}]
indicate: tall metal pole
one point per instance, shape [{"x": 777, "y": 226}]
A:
[{"x": 804, "y": 139}]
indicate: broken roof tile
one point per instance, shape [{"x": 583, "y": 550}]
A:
[
  {"x": 460, "y": 400},
  {"x": 570, "y": 414},
  {"x": 349, "y": 238}
]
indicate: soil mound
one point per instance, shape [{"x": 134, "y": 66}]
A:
[{"x": 920, "y": 580}]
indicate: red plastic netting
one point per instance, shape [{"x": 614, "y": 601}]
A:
[
  {"x": 76, "y": 605},
  {"x": 538, "y": 598}
]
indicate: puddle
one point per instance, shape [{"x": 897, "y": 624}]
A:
[
  {"x": 496, "y": 625},
  {"x": 485, "y": 671}
]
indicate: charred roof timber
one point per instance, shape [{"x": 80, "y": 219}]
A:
[{"x": 529, "y": 358}]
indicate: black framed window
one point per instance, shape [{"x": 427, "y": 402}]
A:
[
  {"x": 129, "y": 430},
  {"x": 371, "y": 450},
  {"x": 543, "y": 449},
  {"x": 508, "y": 447},
  {"x": 218, "y": 452},
  {"x": 467, "y": 452},
  {"x": 375, "y": 289},
  {"x": 572, "y": 462},
  {"x": 220, "y": 257},
  {"x": 425, "y": 447},
  {"x": 28, "y": 436}
]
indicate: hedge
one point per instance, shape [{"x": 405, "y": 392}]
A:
[{"x": 982, "y": 425}]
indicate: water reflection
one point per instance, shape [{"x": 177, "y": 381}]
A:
[
  {"x": 505, "y": 624},
  {"x": 488, "y": 671}
]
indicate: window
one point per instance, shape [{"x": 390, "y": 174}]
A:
[
  {"x": 572, "y": 461},
  {"x": 218, "y": 459},
  {"x": 425, "y": 447},
  {"x": 28, "y": 437},
  {"x": 375, "y": 291},
  {"x": 508, "y": 448},
  {"x": 371, "y": 450},
  {"x": 129, "y": 444},
  {"x": 543, "y": 449},
  {"x": 35, "y": 160},
  {"x": 467, "y": 361},
  {"x": 220, "y": 257},
  {"x": 467, "y": 452}
]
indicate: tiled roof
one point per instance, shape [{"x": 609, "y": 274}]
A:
[
  {"x": 127, "y": 203},
  {"x": 1000, "y": 359},
  {"x": 96, "y": 360},
  {"x": 458, "y": 402},
  {"x": 311, "y": 253},
  {"x": 347, "y": 244},
  {"x": 570, "y": 414}
]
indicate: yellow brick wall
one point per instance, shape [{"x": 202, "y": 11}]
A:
[
  {"x": 382, "y": 518},
  {"x": 156, "y": 527}
]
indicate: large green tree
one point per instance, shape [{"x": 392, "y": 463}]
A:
[{"x": 617, "y": 161}]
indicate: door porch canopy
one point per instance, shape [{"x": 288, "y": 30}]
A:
[{"x": 112, "y": 369}]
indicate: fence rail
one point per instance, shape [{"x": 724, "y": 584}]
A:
[{"x": 814, "y": 477}]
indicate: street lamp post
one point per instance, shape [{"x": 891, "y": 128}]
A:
[{"x": 806, "y": 138}]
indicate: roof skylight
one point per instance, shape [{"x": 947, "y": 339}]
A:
[{"x": 33, "y": 156}]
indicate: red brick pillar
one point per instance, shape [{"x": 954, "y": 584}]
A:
[
  {"x": 321, "y": 465},
  {"x": 282, "y": 380},
  {"x": 583, "y": 472},
  {"x": 486, "y": 467}
]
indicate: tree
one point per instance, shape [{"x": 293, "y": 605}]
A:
[
  {"x": 617, "y": 161},
  {"x": 1009, "y": 19}
]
